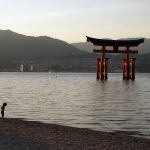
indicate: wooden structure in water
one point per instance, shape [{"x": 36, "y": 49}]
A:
[{"x": 128, "y": 64}]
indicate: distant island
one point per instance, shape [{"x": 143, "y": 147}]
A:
[{"x": 46, "y": 54}]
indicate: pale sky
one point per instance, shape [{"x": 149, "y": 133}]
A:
[{"x": 72, "y": 20}]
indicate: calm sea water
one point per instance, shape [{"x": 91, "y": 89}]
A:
[{"x": 79, "y": 100}]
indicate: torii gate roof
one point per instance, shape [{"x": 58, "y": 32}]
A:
[{"x": 105, "y": 42}]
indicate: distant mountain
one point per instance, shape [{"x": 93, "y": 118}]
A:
[
  {"x": 87, "y": 46},
  {"x": 14, "y": 44}
]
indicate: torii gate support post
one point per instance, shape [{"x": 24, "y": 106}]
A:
[
  {"x": 132, "y": 64},
  {"x": 101, "y": 74},
  {"x": 127, "y": 64},
  {"x": 102, "y": 63},
  {"x": 131, "y": 69},
  {"x": 98, "y": 61},
  {"x": 105, "y": 70},
  {"x": 124, "y": 68}
]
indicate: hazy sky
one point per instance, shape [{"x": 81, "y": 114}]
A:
[{"x": 72, "y": 20}]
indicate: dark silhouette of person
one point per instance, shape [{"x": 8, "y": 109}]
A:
[{"x": 3, "y": 109}]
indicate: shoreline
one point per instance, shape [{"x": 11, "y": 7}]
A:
[{"x": 20, "y": 134}]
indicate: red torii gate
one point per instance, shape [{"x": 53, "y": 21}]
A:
[{"x": 128, "y": 66}]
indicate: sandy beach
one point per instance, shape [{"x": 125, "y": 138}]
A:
[{"x": 16, "y": 134}]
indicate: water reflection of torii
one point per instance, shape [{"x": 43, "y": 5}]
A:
[{"x": 128, "y": 65}]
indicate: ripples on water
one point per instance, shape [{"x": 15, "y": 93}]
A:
[{"x": 79, "y": 100}]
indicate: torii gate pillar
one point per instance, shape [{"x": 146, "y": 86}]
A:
[
  {"x": 101, "y": 68},
  {"x": 131, "y": 67}
]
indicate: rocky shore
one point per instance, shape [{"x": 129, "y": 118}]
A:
[{"x": 16, "y": 134}]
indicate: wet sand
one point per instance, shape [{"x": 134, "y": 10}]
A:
[{"x": 16, "y": 134}]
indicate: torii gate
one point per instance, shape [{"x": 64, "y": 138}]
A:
[{"x": 128, "y": 65}]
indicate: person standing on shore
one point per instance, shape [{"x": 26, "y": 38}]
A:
[{"x": 3, "y": 109}]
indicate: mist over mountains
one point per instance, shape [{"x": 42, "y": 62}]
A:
[
  {"x": 14, "y": 44},
  {"x": 87, "y": 46}
]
